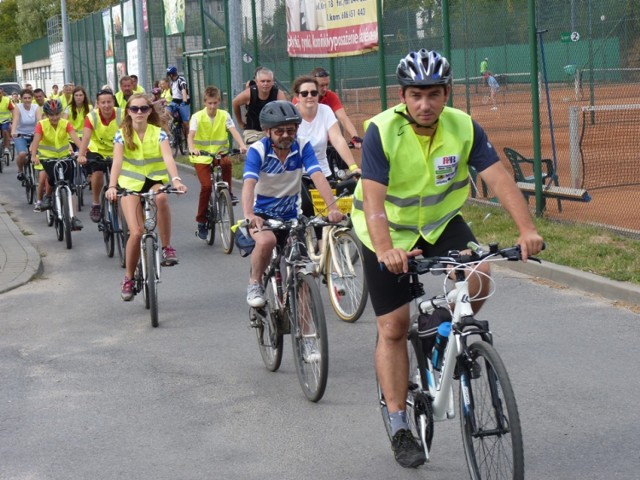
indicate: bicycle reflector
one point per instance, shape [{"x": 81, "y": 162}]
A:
[{"x": 244, "y": 242}]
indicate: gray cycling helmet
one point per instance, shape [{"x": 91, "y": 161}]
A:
[
  {"x": 279, "y": 112},
  {"x": 423, "y": 68}
]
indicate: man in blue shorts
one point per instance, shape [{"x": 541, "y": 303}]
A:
[
  {"x": 272, "y": 181},
  {"x": 415, "y": 178},
  {"x": 180, "y": 94}
]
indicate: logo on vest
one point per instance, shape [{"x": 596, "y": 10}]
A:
[{"x": 446, "y": 169}]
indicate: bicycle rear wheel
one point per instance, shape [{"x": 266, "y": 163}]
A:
[
  {"x": 491, "y": 433},
  {"x": 345, "y": 280},
  {"x": 66, "y": 216},
  {"x": 152, "y": 279},
  {"x": 418, "y": 405},
  {"x": 268, "y": 332},
  {"x": 106, "y": 223},
  {"x": 2, "y": 161},
  {"x": 309, "y": 337},
  {"x": 212, "y": 215},
  {"x": 225, "y": 220}
]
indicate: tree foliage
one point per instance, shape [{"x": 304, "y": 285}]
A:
[{"x": 8, "y": 39}]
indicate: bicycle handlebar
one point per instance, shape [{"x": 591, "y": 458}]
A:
[
  {"x": 455, "y": 259},
  {"x": 219, "y": 154},
  {"x": 151, "y": 193}
]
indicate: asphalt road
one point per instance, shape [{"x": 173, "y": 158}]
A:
[{"x": 89, "y": 390}]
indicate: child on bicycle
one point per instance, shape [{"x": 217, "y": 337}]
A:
[
  {"x": 208, "y": 133},
  {"x": 50, "y": 144},
  {"x": 142, "y": 161}
]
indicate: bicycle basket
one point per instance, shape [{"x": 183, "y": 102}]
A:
[
  {"x": 243, "y": 241},
  {"x": 319, "y": 205}
]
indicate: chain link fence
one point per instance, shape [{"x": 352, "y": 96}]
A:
[{"x": 588, "y": 77}]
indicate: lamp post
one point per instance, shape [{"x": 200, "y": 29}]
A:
[{"x": 66, "y": 47}]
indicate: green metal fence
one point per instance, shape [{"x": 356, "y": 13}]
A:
[{"x": 588, "y": 54}]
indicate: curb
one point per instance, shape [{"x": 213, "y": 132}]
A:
[
  {"x": 20, "y": 262},
  {"x": 577, "y": 279}
]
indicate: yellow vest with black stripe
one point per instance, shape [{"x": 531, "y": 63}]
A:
[
  {"x": 54, "y": 143},
  {"x": 144, "y": 162},
  {"x": 210, "y": 136},
  {"x": 102, "y": 137},
  {"x": 5, "y": 113},
  {"x": 426, "y": 188},
  {"x": 78, "y": 122}
]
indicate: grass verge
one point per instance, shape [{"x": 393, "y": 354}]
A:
[{"x": 587, "y": 248}]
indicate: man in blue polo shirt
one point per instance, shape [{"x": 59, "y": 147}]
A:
[{"x": 272, "y": 181}]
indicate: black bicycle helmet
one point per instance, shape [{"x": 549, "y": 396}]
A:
[
  {"x": 423, "y": 68},
  {"x": 279, "y": 112},
  {"x": 52, "y": 107}
]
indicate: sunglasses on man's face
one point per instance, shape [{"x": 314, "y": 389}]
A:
[
  {"x": 306, "y": 93},
  {"x": 142, "y": 109}
]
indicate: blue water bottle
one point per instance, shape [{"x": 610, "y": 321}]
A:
[{"x": 444, "y": 329}]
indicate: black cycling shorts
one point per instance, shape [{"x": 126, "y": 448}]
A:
[{"x": 388, "y": 291}]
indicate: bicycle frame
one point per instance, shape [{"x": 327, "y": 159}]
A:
[{"x": 61, "y": 185}]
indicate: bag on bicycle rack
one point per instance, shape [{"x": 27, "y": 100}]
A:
[{"x": 428, "y": 324}]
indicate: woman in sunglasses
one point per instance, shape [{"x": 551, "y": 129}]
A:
[
  {"x": 142, "y": 161},
  {"x": 319, "y": 126}
]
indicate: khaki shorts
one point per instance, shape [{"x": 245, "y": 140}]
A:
[{"x": 252, "y": 136}]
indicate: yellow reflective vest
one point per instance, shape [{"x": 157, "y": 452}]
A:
[
  {"x": 210, "y": 136},
  {"x": 428, "y": 177},
  {"x": 5, "y": 113},
  {"x": 78, "y": 122},
  {"x": 54, "y": 143},
  {"x": 144, "y": 162},
  {"x": 102, "y": 137}
]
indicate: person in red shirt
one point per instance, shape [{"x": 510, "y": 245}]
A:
[{"x": 327, "y": 97}]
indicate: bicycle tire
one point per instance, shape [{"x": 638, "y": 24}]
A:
[
  {"x": 212, "y": 214},
  {"x": 121, "y": 233},
  {"x": 49, "y": 217},
  {"x": 152, "y": 279},
  {"x": 2, "y": 160},
  {"x": 225, "y": 220},
  {"x": 79, "y": 179},
  {"x": 106, "y": 222},
  {"x": 176, "y": 144},
  {"x": 29, "y": 183},
  {"x": 348, "y": 293},
  {"x": 489, "y": 419},
  {"x": 66, "y": 216},
  {"x": 417, "y": 405},
  {"x": 268, "y": 332},
  {"x": 7, "y": 158},
  {"x": 309, "y": 334},
  {"x": 58, "y": 223}
]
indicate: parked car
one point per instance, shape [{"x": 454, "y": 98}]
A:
[{"x": 10, "y": 87}]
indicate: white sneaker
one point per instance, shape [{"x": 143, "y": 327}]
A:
[
  {"x": 338, "y": 284},
  {"x": 255, "y": 295}
]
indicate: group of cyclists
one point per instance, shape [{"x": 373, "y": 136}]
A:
[{"x": 414, "y": 178}]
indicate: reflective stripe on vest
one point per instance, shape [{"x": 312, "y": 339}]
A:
[
  {"x": 210, "y": 136},
  {"x": 144, "y": 162},
  {"x": 54, "y": 143},
  {"x": 443, "y": 176},
  {"x": 102, "y": 136},
  {"x": 5, "y": 113}
]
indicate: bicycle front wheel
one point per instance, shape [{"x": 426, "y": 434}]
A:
[
  {"x": 225, "y": 220},
  {"x": 212, "y": 214},
  {"x": 491, "y": 433},
  {"x": 29, "y": 183},
  {"x": 80, "y": 178},
  {"x": 66, "y": 216},
  {"x": 121, "y": 232},
  {"x": 176, "y": 141},
  {"x": 106, "y": 223},
  {"x": 152, "y": 279},
  {"x": 268, "y": 333},
  {"x": 345, "y": 281},
  {"x": 309, "y": 337}
]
